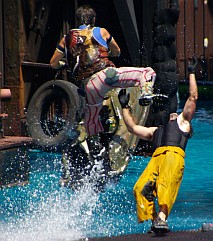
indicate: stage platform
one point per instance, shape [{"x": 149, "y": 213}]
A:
[
  {"x": 171, "y": 236},
  {"x": 8, "y": 142}
]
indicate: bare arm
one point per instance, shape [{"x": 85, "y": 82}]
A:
[
  {"x": 145, "y": 133},
  {"x": 190, "y": 105},
  {"x": 58, "y": 55},
  {"x": 113, "y": 46}
]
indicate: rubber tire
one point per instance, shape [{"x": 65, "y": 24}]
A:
[
  {"x": 167, "y": 16},
  {"x": 39, "y": 103},
  {"x": 165, "y": 34},
  {"x": 166, "y": 83},
  {"x": 166, "y": 66}
]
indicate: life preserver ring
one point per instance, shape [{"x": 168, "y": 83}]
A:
[{"x": 53, "y": 114}]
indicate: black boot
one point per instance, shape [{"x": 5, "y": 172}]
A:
[
  {"x": 154, "y": 99},
  {"x": 100, "y": 157}
]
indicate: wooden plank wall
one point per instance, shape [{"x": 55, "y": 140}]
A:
[{"x": 194, "y": 25}]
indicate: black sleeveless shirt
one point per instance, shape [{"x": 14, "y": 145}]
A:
[{"x": 170, "y": 135}]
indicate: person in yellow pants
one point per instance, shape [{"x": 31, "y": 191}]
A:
[{"x": 163, "y": 175}]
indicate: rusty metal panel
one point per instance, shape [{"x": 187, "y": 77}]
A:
[
  {"x": 210, "y": 67},
  {"x": 199, "y": 36},
  {"x": 194, "y": 25},
  {"x": 199, "y": 29},
  {"x": 209, "y": 31},
  {"x": 189, "y": 23}
]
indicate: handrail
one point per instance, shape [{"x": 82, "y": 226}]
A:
[{"x": 34, "y": 64}]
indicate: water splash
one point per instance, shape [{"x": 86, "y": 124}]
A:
[
  {"x": 61, "y": 216},
  {"x": 43, "y": 211}
]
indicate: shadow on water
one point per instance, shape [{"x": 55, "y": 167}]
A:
[{"x": 42, "y": 210}]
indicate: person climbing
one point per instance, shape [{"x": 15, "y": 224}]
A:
[
  {"x": 88, "y": 50},
  {"x": 163, "y": 175}
]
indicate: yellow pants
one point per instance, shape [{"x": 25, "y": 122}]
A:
[{"x": 166, "y": 169}]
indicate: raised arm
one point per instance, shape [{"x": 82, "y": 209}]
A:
[{"x": 190, "y": 105}]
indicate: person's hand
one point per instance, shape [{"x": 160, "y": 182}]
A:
[
  {"x": 123, "y": 98},
  {"x": 62, "y": 65},
  {"x": 192, "y": 65}
]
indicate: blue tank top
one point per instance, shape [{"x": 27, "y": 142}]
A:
[{"x": 96, "y": 35}]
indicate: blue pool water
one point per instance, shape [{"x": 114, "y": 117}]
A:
[{"x": 44, "y": 211}]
